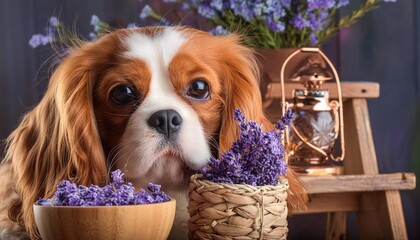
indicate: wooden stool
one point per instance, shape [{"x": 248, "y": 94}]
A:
[{"x": 374, "y": 197}]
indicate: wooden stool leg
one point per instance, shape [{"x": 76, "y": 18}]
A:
[
  {"x": 397, "y": 221},
  {"x": 336, "y": 226},
  {"x": 378, "y": 208},
  {"x": 360, "y": 150},
  {"x": 381, "y": 216}
]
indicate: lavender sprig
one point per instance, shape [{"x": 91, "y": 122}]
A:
[
  {"x": 256, "y": 158},
  {"x": 114, "y": 194}
]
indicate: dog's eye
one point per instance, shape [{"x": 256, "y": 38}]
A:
[
  {"x": 199, "y": 89},
  {"x": 123, "y": 95}
]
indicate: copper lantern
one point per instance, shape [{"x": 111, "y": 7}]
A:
[{"x": 318, "y": 121}]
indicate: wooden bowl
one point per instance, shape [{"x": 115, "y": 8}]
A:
[{"x": 148, "y": 221}]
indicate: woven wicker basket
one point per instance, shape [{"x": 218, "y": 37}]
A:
[{"x": 235, "y": 211}]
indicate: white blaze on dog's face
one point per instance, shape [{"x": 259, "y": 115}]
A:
[
  {"x": 175, "y": 103},
  {"x": 164, "y": 135}
]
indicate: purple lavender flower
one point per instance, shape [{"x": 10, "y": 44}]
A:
[
  {"x": 65, "y": 191},
  {"x": 44, "y": 202},
  {"x": 36, "y": 40},
  {"x": 93, "y": 36},
  {"x": 95, "y": 22},
  {"x": 313, "y": 39},
  {"x": 342, "y": 3},
  {"x": 94, "y": 196},
  {"x": 286, "y": 3},
  {"x": 114, "y": 194},
  {"x": 132, "y": 25},
  {"x": 285, "y": 120},
  {"x": 143, "y": 197},
  {"x": 153, "y": 187},
  {"x": 272, "y": 6},
  {"x": 54, "y": 22},
  {"x": 238, "y": 116},
  {"x": 164, "y": 22},
  {"x": 258, "y": 8},
  {"x": 157, "y": 194},
  {"x": 217, "y": 4},
  {"x": 256, "y": 158},
  {"x": 117, "y": 178},
  {"x": 206, "y": 11},
  {"x": 243, "y": 8},
  {"x": 49, "y": 36},
  {"x": 317, "y": 4},
  {"x": 314, "y": 23},
  {"x": 147, "y": 10},
  {"x": 299, "y": 22},
  {"x": 219, "y": 31},
  {"x": 276, "y": 26}
]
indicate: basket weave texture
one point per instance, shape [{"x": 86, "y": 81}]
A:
[{"x": 236, "y": 211}]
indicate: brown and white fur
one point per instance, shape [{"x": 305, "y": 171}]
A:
[{"x": 98, "y": 114}]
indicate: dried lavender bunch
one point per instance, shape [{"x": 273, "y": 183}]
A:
[
  {"x": 114, "y": 194},
  {"x": 256, "y": 158}
]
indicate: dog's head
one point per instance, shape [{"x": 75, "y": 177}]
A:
[
  {"x": 164, "y": 102},
  {"x": 154, "y": 102}
]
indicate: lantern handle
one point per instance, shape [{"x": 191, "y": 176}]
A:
[{"x": 340, "y": 99}]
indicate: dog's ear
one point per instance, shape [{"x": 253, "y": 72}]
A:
[
  {"x": 240, "y": 78},
  {"x": 57, "y": 140},
  {"x": 241, "y": 90}
]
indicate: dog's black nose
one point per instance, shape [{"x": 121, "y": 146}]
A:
[{"x": 165, "y": 122}]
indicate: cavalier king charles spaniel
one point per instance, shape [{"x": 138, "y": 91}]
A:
[{"x": 155, "y": 102}]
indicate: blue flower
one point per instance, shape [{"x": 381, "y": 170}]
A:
[
  {"x": 36, "y": 40},
  {"x": 164, "y": 22},
  {"x": 206, "y": 11},
  {"x": 217, "y": 4},
  {"x": 276, "y": 26},
  {"x": 313, "y": 39},
  {"x": 54, "y": 22},
  {"x": 219, "y": 31},
  {"x": 258, "y": 8},
  {"x": 299, "y": 22},
  {"x": 147, "y": 10},
  {"x": 93, "y": 36},
  {"x": 132, "y": 25},
  {"x": 44, "y": 39},
  {"x": 320, "y": 4},
  {"x": 95, "y": 21},
  {"x": 342, "y": 3}
]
